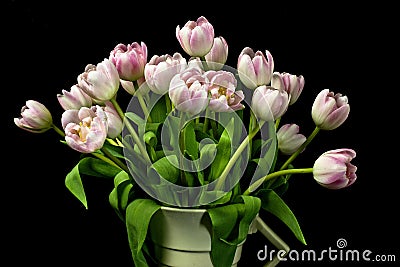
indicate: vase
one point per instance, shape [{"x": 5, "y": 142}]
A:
[{"x": 182, "y": 238}]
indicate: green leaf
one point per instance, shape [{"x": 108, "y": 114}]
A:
[
  {"x": 138, "y": 216},
  {"x": 272, "y": 203},
  {"x": 150, "y": 138},
  {"x": 87, "y": 166},
  {"x": 190, "y": 142},
  {"x": 159, "y": 111},
  {"x": 119, "y": 196},
  {"x": 230, "y": 227},
  {"x": 166, "y": 169},
  {"x": 223, "y": 155}
]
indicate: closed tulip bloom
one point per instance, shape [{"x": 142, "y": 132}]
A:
[
  {"x": 290, "y": 83},
  {"x": 218, "y": 54},
  {"x": 114, "y": 121},
  {"x": 35, "y": 117},
  {"x": 289, "y": 138},
  {"x": 130, "y": 60},
  {"x": 196, "y": 37},
  {"x": 100, "y": 82},
  {"x": 268, "y": 103},
  {"x": 87, "y": 129},
  {"x": 255, "y": 69},
  {"x": 188, "y": 91},
  {"x": 222, "y": 88},
  {"x": 329, "y": 110},
  {"x": 159, "y": 71},
  {"x": 74, "y": 99},
  {"x": 333, "y": 169}
]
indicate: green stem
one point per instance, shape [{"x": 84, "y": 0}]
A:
[
  {"x": 182, "y": 142},
  {"x": 204, "y": 62},
  {"x": 58, "y": 130},
  {"x": 105, "y": 159},
  {"x": 232, "y": 161},
  {"x": 278, "y": 120},
  {"x": 301, "y": 148},
  {"x": 142, "y": 102},
  {"x": 115, "y": 159},
  {"x": 131, "y": 130},
  {"x": 274, "y": 175},
  {"x": 205, "y": 125}
]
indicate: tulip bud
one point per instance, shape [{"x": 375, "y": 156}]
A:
[
  {"x": 333, "y": 169},
  {"x": 218, "y": 54},
  {"x": 75, "y": 99},
  {"x": 329, "y": 110},
  {"x": 130, "y": 60},
  {"x": 222, "y": 87},
  {"x": 160, "y": 70},
  {"x": 289, "y": 139},
  {"x": 100, "y": 82},
  {"x": 196, "y": 37},
  {"x": 268, "y": 103},
  {"x": 188, "y": 91},
  {"x": 255, "y": 69},
  {"x": 87, "y": 129},
  {"x": 35, "y": 117},
  {"x": 292, "y": 84}
]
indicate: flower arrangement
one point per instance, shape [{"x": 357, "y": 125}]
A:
[{"x": 195, "y": 134}]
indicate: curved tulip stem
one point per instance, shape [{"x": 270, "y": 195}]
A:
[
  {"x": 131, "y": 130},
  {"x": 141, "y": 101},
  {"x": 117, "y": 161},
  {"x": 58, "y": 130},
  {"x": 204, "y": 63},
  {"x": 274, "y": 175},
  {"x": 301, "y": 148}
]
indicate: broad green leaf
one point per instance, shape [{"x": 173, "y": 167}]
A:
[
  {"x": 190, "y": 142},
  {"x": 166, "y": 169},
  {"x": 158, "y": 112},
  {"x": 87, "y": 166},
  {"x": 135, "y": 118},
  {"x": 138, "y": 216},
  {"x": 115, "y": 150},
  {"x": 272, "y": 203},
  {"x": 119, "y": 196},
  {"x": 223, "y": 155}
]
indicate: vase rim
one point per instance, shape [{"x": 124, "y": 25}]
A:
[{"x": 183, "y": 209}]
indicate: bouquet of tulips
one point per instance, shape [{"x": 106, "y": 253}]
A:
[{"x": 195, "y": 134}]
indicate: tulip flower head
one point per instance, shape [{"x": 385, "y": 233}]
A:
[
  {"x": 74, "y": 99},
  {"x": 100, "y": 82},
  {"x": 218, "y": 54},
  {"x": 292, "y": 84},
  {"x": 329, "y": 110},
  {"x": 268, "y": 103},
  {"x": 85, "y": 129},
  {"x": 333, "y": 169},
  {"x": 196, "y": 37},
  {"x": 130, "y": 60},
  {"x": 35, "y": 117},
  {"x": 159, "y": 71},
  {"x": 189, "y": 91},
  {"x": 289, "y": 138},
  {"x": 255, "y": 68}
]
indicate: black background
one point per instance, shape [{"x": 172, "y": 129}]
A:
[{"x": 348, "y": 50}]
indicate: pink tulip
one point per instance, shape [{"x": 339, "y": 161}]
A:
[
  {"x": 100, "y": 82},
  {"x": 218, "y": 54},
  {"x": 189, "y": 91},
  {"x": 329, "y": 110},
  {"x": 85, "y": 129},
  {"x": 130, "y": 60},
  {"x": 268, "y": 103},
  {"x": 35, "y": 117},
  {"x": 333, "y": 169},
  {"x": 160, "y": 70},
  {"x": 292, "y": 84},
  {"x": 222, "y": 88},
  {"x": 114, "y": 121},
  {"x": 289, "y": 138},
  {"x": 196, "y": 37},
  {"x": 255, "y": 69},
  {"x": 74, "y": 99}
]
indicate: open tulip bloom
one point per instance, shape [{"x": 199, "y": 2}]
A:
[{"x": 196, "y": 133}]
